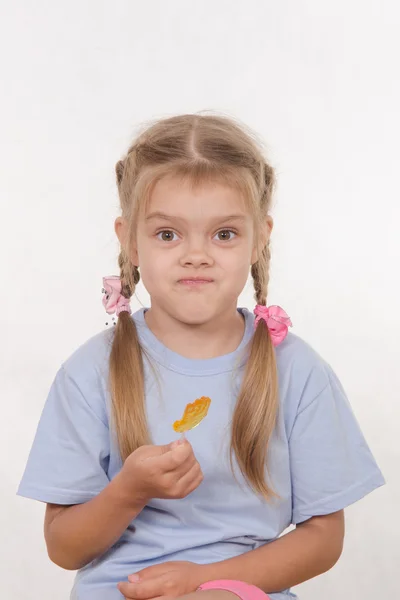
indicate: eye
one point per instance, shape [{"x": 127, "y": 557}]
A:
[
  {"x": 166, "y": 235},
  {"x": 225, "y": 235}
]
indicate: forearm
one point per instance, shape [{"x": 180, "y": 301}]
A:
[
  {"x": 78, "y": 534},
  {"x": 309, "y": 550}
]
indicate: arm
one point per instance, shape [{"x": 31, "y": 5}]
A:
[
  {"x": 77, "y": 534},
  {"x": 311, "y": 549}
]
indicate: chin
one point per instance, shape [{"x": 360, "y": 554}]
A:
[{"x": 193, "y": 314}]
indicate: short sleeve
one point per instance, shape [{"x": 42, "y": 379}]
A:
[
  {"x": 331, "y": 463},
  {"x": 69, "y": 457}
]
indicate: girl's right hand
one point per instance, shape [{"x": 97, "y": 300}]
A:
[{"x": 168, "y": 472}]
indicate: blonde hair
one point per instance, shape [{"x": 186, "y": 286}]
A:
[{"x": 199, "y": 148}]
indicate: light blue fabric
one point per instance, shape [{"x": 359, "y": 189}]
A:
[{"x": 319, "y": 460}]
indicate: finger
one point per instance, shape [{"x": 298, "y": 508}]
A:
[
  {"x": 145, "y": 590},
  {"x": 121, "y": 589},
  {"x": 189, "y": 464},
  {"x": 175, "y": 458},
  {"x": 147, "y": 573},
  {"x": 191, "y": 473},
  {"x": 126, "y": 590},
  {"x": 192, "y": 487},
  {"x": 180, "y": 469},
  {"x": 152, "y": 451},
  {"x": 189, "y": 482}
]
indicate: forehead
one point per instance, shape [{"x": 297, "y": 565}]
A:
[{"x": 182, "y": 198}]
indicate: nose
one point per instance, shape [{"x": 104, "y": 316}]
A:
[{"x": 196, "y": 253}]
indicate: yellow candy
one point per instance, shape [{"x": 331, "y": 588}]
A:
[{"x": 193, "y": 415}]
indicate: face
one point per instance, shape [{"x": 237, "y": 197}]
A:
[{"x": 194, "y": 248}]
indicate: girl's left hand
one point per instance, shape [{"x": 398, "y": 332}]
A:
[{"x": 168, "y": 580}]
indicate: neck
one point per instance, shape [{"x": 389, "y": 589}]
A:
[{"x": 217, "y": 337}]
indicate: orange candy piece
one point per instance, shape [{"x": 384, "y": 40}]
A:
[{"x": 193, "y": 415}]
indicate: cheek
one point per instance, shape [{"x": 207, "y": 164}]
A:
[
  {"x": 236, "y": 269},
  {"x": 154, "y": 265},
  {"x": 147, "y": 253},
  {"x": 236, "y": 261}
]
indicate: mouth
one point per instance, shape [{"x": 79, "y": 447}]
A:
[{"x": 195, "y": 281}]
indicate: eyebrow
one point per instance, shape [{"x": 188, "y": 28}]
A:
[{"x": 165, "y": 217}]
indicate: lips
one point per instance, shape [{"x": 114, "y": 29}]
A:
[{"x": 195, "y": 280}]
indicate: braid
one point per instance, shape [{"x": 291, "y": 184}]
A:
[
  {"x": 260, "y": 274},
  {"x": 260, "y": 269},
  {"x": 268, "y": 179},
  {"x": 257, "y": 405},
  {"x": 130, "y": 275},
  {"x": 126, "y": 375},
  {"x": 119, "y": 171}
]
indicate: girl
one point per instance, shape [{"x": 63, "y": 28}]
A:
[{"x": 142, "y": 516}]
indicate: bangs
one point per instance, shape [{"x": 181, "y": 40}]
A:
[{"x": 196, "y": 174}]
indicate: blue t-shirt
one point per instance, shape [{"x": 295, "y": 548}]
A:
[{"x": 319, "y": 461}]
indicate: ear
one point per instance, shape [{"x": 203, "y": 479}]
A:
[
  {"x": 265, "y": 234},
  {"x": 121, "y": 230}
]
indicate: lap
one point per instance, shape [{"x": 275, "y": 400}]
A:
[
  {"x": 237, "y": 589},
  {"x": 210, "y": 595}
]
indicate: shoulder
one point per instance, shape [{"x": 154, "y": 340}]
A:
[
  {"x": 303, "y": 373},
  {"x": 87, "y": 367},
  {"x": 92, "y": 354}
]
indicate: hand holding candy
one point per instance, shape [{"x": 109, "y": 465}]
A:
[{"x": 168, "y": 472}]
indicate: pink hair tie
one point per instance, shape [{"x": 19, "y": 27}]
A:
[
  {"x": 113, "y": 300},
  {"x": 278, "y": 322}
]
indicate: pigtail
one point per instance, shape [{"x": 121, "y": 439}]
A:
[
  {"x": 119, "y": 171},
  {"x": 127, "y": 372},
  {"x": 255, "y": 415}
]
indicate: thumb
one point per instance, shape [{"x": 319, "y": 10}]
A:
[
  {"x": 154, "y": 452},
  {"x": 168, "y": 447},
  {"x": 175, "y": 444}
]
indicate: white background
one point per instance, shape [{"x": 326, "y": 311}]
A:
[{"x": 319, "y": 82}]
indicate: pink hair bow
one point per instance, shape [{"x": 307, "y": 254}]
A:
[
  {"x": 113, "y": 300},
  {"x": 278, "y": 322}
]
